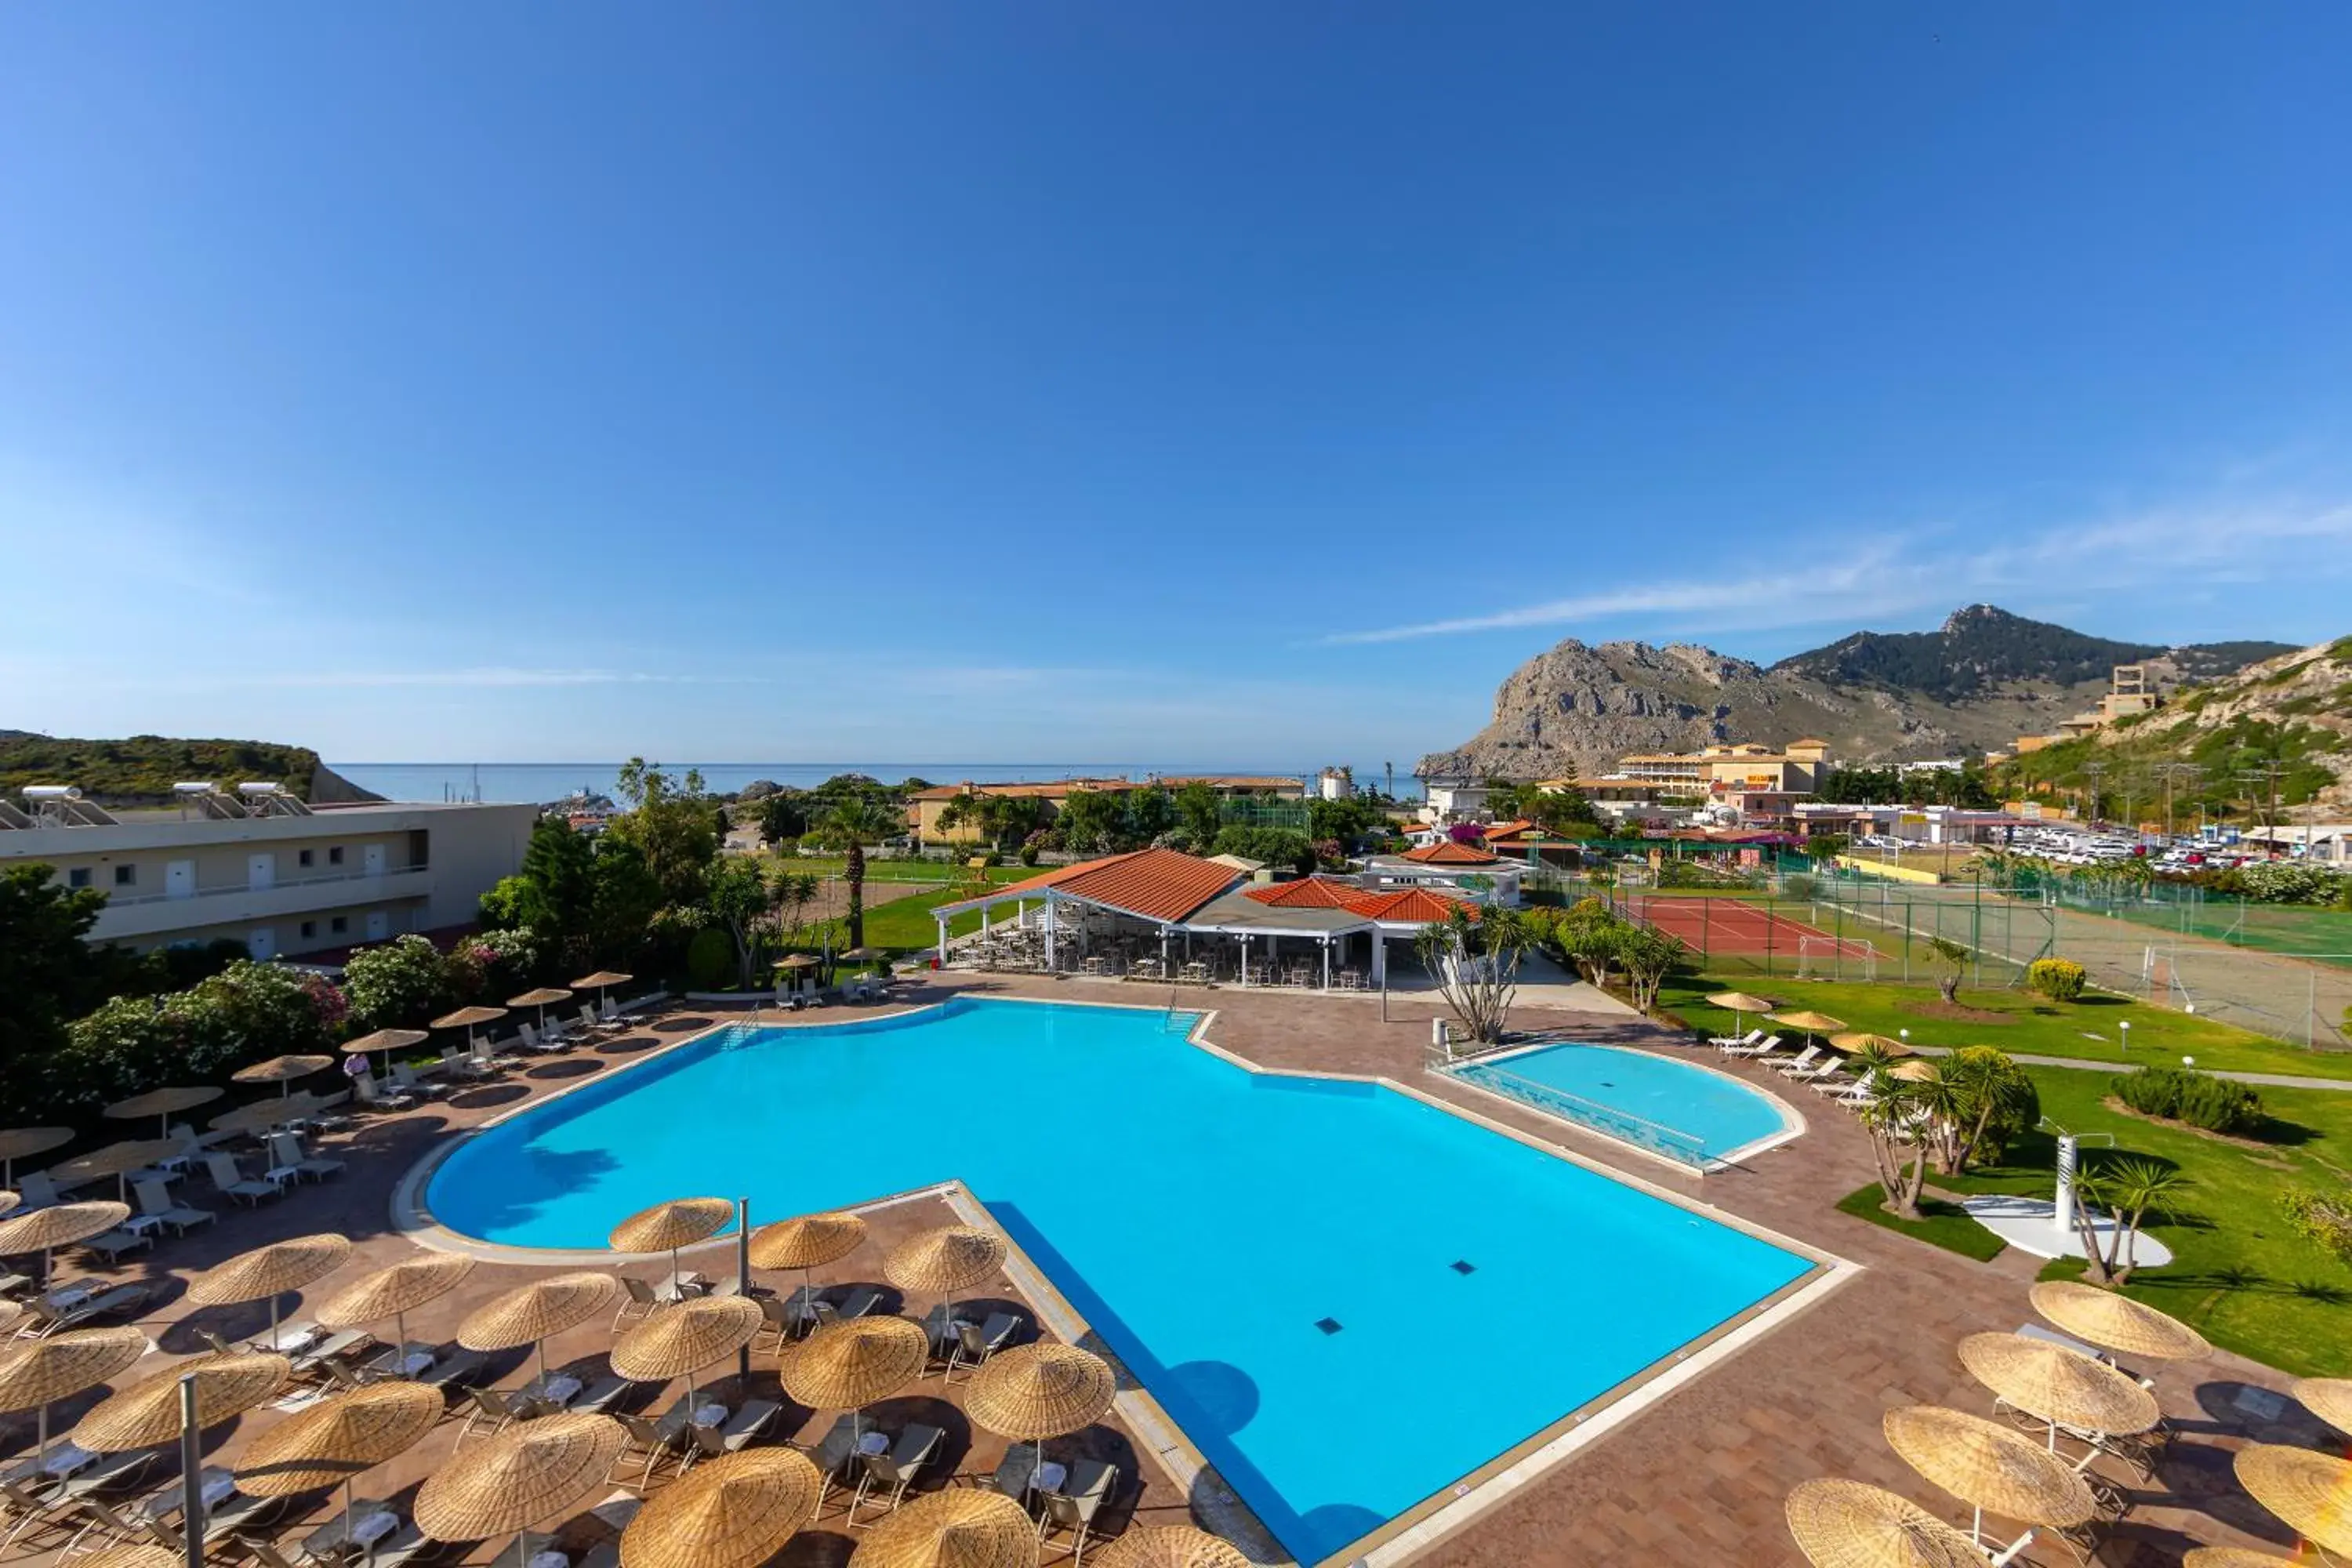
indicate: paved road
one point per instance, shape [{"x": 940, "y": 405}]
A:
[{"x": 2266, "y": 1079}]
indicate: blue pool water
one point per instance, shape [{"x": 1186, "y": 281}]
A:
[
  {"x": 1205, "y": 1219},
  {"x": 1715, "y": 1111}
]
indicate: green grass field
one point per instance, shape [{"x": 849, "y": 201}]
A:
[
  {"x": 1944, "y": 1223},
  {"x": 905, "y": 924},
  {"x": 2018, "y": 1022},
  {"x": 2238, "y": 1273}
]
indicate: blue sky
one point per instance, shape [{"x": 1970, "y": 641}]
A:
[{"x": 1219, "y": 382}]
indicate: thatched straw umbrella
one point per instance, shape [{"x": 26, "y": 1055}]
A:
[
  {"x": 338, "y": 1439},
  {"x": 147, "y": 1413},
  {"x": 46, "y": 1230},
  {"x": 393, "y": 1292},
  {"x": 1038, "y": 1391},
  {"x": 1988, "y": 1466},
  {"x": 943, "y": 1261},
  {"x": 685, "y": 1339},
  {"x": 1854, "y": 1040},
  {"x": 1739, "y": 1004},
  {"x": 23, "y": 1142},
  {"x": 733, "y": 1511},
  {"x": 9, "y": 1200},
  {"x": 116, "y": 1159},
  {"x": 852, "y": 1363},
  {"x": 2058, "y": 1385},
  {"x": 163, "y": 1103},
  {"x": 2117, "y": 1323},
  {"x": 268, "y": 1272},
  {"x": 962, "y": 1526},
  {"x": 541, "y": 997},
  {"x": 470, "y": 1019},
  {"x": 530, "y": 1313},
  {"x": 2234, "y": 1557},
  {"x": 601, "y": 981},
  {"x": 527, "y": 1474},
  {"x": 1171, "y": 1546},
  {"x": 2310, "y": 1490},
  {"x": 35, "y": 1376},
  {"x": 805, "y": 1242},
  {"x": 1845, "y": 1524},
  {"x": 130, "y": 1554},
  {"x": 2329, "y": 1398},
  {"x": 282, "y": 1071},
  {"x": 387, "y": 1041},
  {"x": 666, "y": 1226},
  {"x": 264, "y": 1114},
  {"x": 1808, "y": 1023}
]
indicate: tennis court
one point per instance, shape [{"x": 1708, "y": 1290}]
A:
[{"x": 1730, "y": 926}]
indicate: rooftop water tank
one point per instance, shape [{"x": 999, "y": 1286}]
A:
[{"x": 52, "y": 792}]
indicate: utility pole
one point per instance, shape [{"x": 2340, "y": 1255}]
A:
[
  {"x": 2171, "y": 772},
  {"x": 2094, "y": 771},
  {"x": 2265, "y": 779},
  {"x": 1390, "y": 770}
]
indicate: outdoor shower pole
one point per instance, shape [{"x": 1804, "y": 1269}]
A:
[
  {"x": 743, "y": 1277},
  {"x": 192, "y": 1478}
]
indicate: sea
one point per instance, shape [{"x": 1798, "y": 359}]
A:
[{"x": 540, "y": 782}]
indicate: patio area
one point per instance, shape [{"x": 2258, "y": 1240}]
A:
[{"x": 1701, "y": 1476}]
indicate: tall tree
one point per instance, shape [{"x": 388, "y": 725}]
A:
[
  {"x": 674, "y": 825},
  {"x": 1199, "y": 812},
  {"x": 44, "y": 960},
  {"x": 848, "y": 828},
  {"x": 742, "y": 897},
  {"x": 1475, "y": 960}
]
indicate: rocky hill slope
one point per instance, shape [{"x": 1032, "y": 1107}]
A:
[
  {"x": 142, "y": 770},
  {"x": 2279, "y": 730},
  {"x": 1977, "y": 683}
]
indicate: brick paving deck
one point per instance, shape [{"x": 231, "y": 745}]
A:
[{"x": 1698, "y": 1478}]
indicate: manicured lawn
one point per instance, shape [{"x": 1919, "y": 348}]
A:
[
  {"x": 2026, "y": 1025},
  {"x": 1944, "y": 1224},
  {"x": 906, "y": 925},
  {"x": 2239, "y": 1272}
]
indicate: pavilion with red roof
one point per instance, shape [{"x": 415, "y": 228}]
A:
[{"x": 1106, "y": 915}]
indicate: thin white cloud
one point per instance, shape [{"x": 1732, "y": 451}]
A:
[{"x": 1937, "y": 567}]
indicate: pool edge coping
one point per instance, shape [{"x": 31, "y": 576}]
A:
[
  {"x": 1405, "y": 1534},
  {"x": 1793, "y": 1125}
]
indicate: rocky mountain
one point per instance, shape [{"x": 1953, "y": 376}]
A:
[
  {"x": 2282, "y": 725},
  {"x": 1977, "y": 683}
]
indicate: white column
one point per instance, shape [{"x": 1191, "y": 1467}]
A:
[
  {"x": 1049, "y": 933},
  {"x": 1326, "y": 963},
  {"x": 1379, "y": 956},
  {"x": 2063, "y": 1221},
  {"x": 943, "y": 940}
]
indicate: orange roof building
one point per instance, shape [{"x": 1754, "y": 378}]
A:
[{"x": 1446, "y": 852}]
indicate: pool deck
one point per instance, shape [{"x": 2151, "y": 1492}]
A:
[{"x": 1694, "y": 1475}]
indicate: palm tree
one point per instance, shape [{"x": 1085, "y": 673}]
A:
[
  {"x": 847, "y": 827},
  {"x": 1891, "y": 1115},
  {"x": 2131, "y": 1189}
]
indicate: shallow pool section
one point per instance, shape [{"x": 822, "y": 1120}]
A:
[
  {"x": 1347, "y": 1297},
  {"x": 1689, "y": 1113}
]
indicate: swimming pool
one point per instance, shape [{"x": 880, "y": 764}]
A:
[
  {"x": 1347, "y": 1297},
  {"x": 1688, "y": 1113}
]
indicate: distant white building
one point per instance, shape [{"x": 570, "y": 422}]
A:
[
  {"x": 1336, "y": 784},
  {"x": 260, "y": 867},
  {"x": 1453, "y": 800}
]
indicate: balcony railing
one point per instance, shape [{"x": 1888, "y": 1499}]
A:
[{"x": 118, "y": 900}]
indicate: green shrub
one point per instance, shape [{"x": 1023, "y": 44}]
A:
[
  {"x": 2197, "y": 1098},
  {"x": 709, "y": 958},
  {"x": 1799, "y": 886},
  {"x": 2060, "y": 979},
  {"x": 2326, "y": 1222}
]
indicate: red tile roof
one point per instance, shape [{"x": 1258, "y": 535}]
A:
[
  {"x": 1445, "y": 852},
  {"x": 1155, "y": 884},
  {"x": 1307, "y": 894},
  {"x": 1418, "y": 905}
]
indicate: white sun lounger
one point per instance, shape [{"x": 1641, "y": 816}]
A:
[
  {"x": 1763, "y": 1047},
  {"x": 1791, "y": 1065},
  {"x": 1725, "y": 1042}
]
